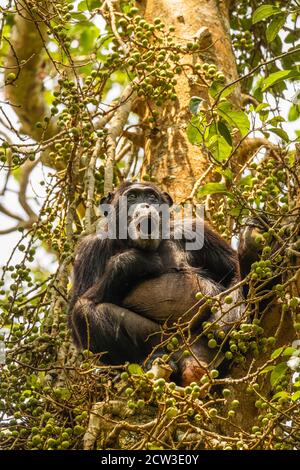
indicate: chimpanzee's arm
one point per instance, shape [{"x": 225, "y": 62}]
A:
[
  {"x": 102, "y": 276},
  {"x": 120, "y": 332},
  {"x": 249, "y": 250},
  {"x": 90, "y": 261},
  {"x": 207, "y": 250},
  {"x": 122, "y": 272}
]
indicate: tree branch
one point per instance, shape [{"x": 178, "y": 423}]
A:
[
  {"x": 116, "y": 127},
  {"x": 25, "y": 93},
  {"x": 24, "y": 178}
]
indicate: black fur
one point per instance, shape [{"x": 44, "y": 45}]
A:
[{"x": 105, "y": 271}]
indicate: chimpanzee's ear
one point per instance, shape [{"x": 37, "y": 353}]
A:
[
  {"x": 168, "y": 198},
  {"x": 106, "y": 200}
]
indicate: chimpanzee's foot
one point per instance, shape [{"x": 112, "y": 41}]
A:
[{"x": 192, "y": 371}]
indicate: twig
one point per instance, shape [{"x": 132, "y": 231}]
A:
[
  {"x": 90, "y": 184},
  {"x": 198, "y": 182},
  {"x": 116, "y": 126},
  {"x": 24, "y": 178}
]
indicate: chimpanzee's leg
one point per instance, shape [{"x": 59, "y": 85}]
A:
[
  {"x": 120, "y": 333},
  {"x": 203, "y": 359}
]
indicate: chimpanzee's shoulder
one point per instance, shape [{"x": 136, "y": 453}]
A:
[{"x": 92, "y": 246}]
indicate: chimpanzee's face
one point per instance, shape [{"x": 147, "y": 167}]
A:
[
  {"x": 147, "y": 215},
  {"x": 140, "y": 212}
]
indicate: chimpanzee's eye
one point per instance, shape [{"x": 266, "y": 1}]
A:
[
  {"x": 152, "y": 198},
  {"x": 131, "y": 197}
]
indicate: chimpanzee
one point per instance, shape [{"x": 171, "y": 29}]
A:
[{"x": 128, "y": 290}]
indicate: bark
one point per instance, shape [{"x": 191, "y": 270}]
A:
[
  {"x": 169, "y": 156},
  {"x": 116, "y": 126},
  {"x": 25, "y": 60}
]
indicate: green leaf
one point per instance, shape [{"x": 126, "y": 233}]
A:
[
  {"x": 79, "y": 17},
  {"x": 220, "y": 90},
  {"x": 213, "y": 188},
  {"x": 135, "y": 369},
  {"x": 266, "y": 370},
  {"x": 87, "y": 38},
  {"x": 275, "y": 120},
  {"x": 219, "y": 148},
  {"x": 62, "y": 393},
  {"x": 246, "y": 181},
  {"x": 274, "y": 27},
  {"x": 261, "y": 106},
  {"x": 278, "y": 373},
  {"x": 278, "y": 77},
  {"x": 289, "y": 351},
  {"x": 281, "y": 133},
  {"x": 88, "y": 5},
  {"x": 224, "y": 131},
  {"x": 263, "y": 115},
  {"x": 41, "y": 376},
  {"x": 31, "y": 380},
  {"x": 296, "y": 395},
  {"x": 194, "y": 104},
  {"x": 227, "y": 172},
  {"x": 154, "y": 447},
  {"x": 257, "y": 93},
  {"x": 291, "y": 37},
  {"x": 238, "y": 211},
  {"x": 277, "y": 352},
  {"x": 235, "y": 118},
  {"x": 263, "y": 12},
  {"x": 48, "y": 96},
  {"x": 193, "y": 131},
  {"x": 282, "y": 394},
  {"x": 126, "y": 5},
  {"x": 82, "y": 6},
  {"x": 294, "y": 112}
]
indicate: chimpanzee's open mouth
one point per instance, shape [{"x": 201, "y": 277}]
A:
[{"x": 147, "y": 226}]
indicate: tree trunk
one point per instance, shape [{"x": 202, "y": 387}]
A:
[{"x": 169, "y": 157}]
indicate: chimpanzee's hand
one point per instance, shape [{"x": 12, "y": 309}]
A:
[
  {"x": 135, "y": 263},
  {"x": 251, "y": 242},
  {"x": 152, "y": 262},
  {"x": 122, "y": 273}
]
